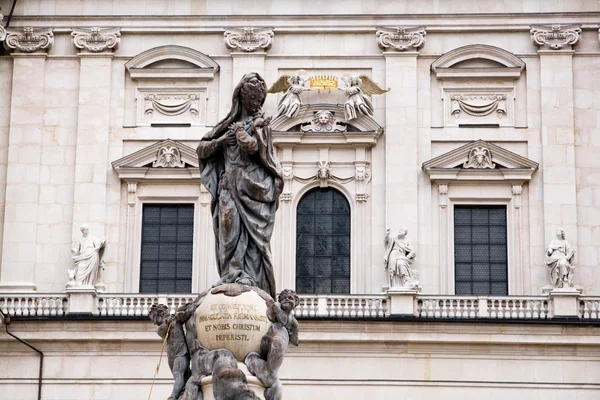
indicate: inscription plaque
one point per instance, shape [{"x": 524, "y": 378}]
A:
[{"x": 233, "y": 323}]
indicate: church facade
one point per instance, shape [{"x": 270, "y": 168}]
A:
[{"x": 440, "y": 214}]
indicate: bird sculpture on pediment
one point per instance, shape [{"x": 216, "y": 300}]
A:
[
  {"x": 293, "y": 86},
  {"x": 357, "y": 88}
]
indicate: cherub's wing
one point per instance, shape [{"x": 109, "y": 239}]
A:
[
  {"x": 369, "y": 87},
  {"x": 344, "y": 82},
  {"x": 281, "y": 85}
]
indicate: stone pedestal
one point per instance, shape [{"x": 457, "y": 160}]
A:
[
  {"x": 82, "y": 300},
  {"x": 565, "y": 302},
  {"x": 253, "y": 383},
  {"x": 402, "y": 301}
]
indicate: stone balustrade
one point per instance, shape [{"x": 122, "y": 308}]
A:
[
  {"x": 377, "y": 306},
  {"x": 34, "y": 304}
]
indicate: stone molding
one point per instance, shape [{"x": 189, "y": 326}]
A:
[
  {"x": 96, "y": 40},
  {"x": 203, "y": 67},
  {"x": 510, "y": 66},
  {"x": 28, "y": 39},
  {"x": 555, "y": 36},
  {"x": 248, "y": 39},
  {"x": 401, "y": 38}
]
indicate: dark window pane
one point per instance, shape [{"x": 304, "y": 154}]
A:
[
  {"x": 480, "y": 250},
  {"x": 498, "y": 216},
  {"x": 323, "y": 267},
  {"x": 497, "y": 234},
  {"x": 462, "y": 234},
  {"x": 149, "y": 270},
  {"x": 462, "y": 216},
  {"x": 481, "y": 272},
  {"x": 168, "y": 215},
  {"x": 462, "y": 272},
  {"x": 183, "y": 286},
  {"x": 499, "y": 289},
  {"x": 479, "y": 216},
  {"x": 480, "y": 234},
  {"x": 323, "y": 243},
  {"x": 168, "y": 233},
  {"x": 462, "y": 253},
  {"x": 481, "y": 253},
  {"x": 323, "y": 285},
  {"x": 167, "y": 270},
  {"x": 463, "y": 288},
  {"x": 341, "y": 286},
  {"x": 323, "y": 224},
  {"x": 149, "y": 286},
  {"x": 167, "y": 248}
]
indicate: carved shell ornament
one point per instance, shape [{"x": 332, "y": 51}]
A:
[
  {"x": 479, "y": 157},
  {"x": 168, "y": 157}
]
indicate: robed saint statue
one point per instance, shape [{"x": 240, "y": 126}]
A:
[{"x": 240, "y": 170}]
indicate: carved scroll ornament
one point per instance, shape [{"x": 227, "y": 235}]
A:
[
  {"x": 478, "y": 105},
  {"x": 249, "y": 39},
  {"x": 556, "y": 36},
  {"x": 401, "y": 38},
  {"x": 96, "y": 40},
  {"x": 171, "y": 104},
  {"x": 29, "y": 40},
  {"x": 2, "y": 29},
  {"x": 479, "y": 157}
]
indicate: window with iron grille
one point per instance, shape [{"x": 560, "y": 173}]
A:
[
  {"x": 480, "y": 253},
  {"x": 167, "y": 247},
  {"x": 323, "y": 242}
]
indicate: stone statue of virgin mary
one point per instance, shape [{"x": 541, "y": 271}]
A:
[{"x": 239, "y": 168}]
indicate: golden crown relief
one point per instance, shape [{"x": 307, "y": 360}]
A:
[{"x": 326, "y": 82}]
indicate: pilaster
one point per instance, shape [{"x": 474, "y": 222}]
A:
[
  {"x": 401, "y": 164},
  {"x": 558, "y": 142},
  {"x": 17, "y": 271},
  {"x": 91, "y": 171}
]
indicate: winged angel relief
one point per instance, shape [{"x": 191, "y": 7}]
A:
[
  {"x": 292, "y": 85},
  {"x": 357, "y": 88}
]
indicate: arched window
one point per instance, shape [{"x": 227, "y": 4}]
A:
[{"x": 323, "y": 242}]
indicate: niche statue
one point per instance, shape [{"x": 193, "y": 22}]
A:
[{"x": 241, "y": 172}]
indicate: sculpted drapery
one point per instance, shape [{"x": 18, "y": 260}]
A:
[
  {"x": 240, "y": 170},
  {"x": 87, "y": 257}
]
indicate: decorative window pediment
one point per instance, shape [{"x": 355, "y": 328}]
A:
[
  {"x": 325, "y": 124},
  {"x": 478, "y": 60},
  {"x": 479, "y": 85},
  {"x": 169, "y": 87},
  {"x": 172, "y": 62},
  {"x": 167, "y": 159},
  {"x": 480, "y": 160}
]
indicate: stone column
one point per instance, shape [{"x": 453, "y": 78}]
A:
[
  {"x": 401, "y": 167},
  {"x": 93, "y": 119},
  {"x": 17, "y": 270},
  {"x": 558, "y": 131}
]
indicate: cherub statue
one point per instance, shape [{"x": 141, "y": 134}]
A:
[
  {"x": 178, "y": 354},
  {"x": 559, "y": 258},
  {"x": 357, "y": 88},
  {"x": 290, "y": 103},
  {"x": 398, "y": 259},
  {"x": 274, "y": 344}
]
